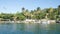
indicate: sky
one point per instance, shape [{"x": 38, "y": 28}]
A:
[{"x": 12, "y": 6}]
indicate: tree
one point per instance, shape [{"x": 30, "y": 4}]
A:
[
  {"x": 27, "y": 14},
  {"x": 38, "y": 8},
  {"x": 21, "y": 17},
  {"x": 51, "y": 13},
  {"x": 23, "y": 9},
  {"x": 59, "y": 12}
]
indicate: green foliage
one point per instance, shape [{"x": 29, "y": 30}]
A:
[{"x": 51, "y": 13}]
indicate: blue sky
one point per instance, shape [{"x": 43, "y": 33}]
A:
[{"x": 12, "y": 6}]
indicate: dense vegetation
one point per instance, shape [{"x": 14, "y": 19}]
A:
[{"x": 47, "y": 13}]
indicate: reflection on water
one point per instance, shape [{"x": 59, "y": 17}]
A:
[{"x": 25, "y": 28}]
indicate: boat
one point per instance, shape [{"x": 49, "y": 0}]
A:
[{"x": 58, "y": 21}]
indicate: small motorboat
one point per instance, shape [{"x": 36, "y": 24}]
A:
[{"x": 57, "y": 21}]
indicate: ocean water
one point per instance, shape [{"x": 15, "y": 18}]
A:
[{"x": 32, "y": 28}]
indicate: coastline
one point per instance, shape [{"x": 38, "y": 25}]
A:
[{"x": 43, "y": 21}]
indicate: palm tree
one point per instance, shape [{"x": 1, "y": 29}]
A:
[
  {"x": 51, "y": 13},
  {"x": 38, "y": 9},
  {"x": 27, "y": 13},
  {"x": 23, "y": 9}
]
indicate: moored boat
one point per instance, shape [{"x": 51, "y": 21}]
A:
[{"x": 57, "y": 21}]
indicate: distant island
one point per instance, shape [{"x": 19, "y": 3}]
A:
[{"x": 46, "y": 13}]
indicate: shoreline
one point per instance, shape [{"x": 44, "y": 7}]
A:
[{"x": 43, "y": 21}]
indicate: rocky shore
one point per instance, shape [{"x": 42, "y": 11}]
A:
[{"x": 42, "y": 21}]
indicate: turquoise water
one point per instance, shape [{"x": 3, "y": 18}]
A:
[{"x": 24, "y": 28}]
